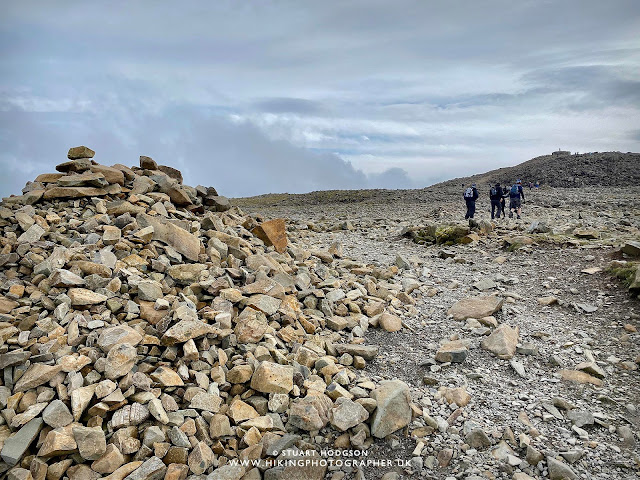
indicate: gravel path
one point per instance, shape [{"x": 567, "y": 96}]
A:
[{"x": 554, "y": 337}]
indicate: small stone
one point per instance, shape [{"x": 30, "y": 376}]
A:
[
  {"x": 109, "y": 461},
  {"x": 91, "y": 442},
  {"x": 559, "y": 471},
  {"x": 120, "y": 360},
  {"x": 167, "y": 377},
  {"x": 220, "y": 426},
  {"x": 80, "y": 398},
  {"x": 65, "y": 278},
  {"x": 111, "y": 235},
  {"x": 36, "y": 375},
  {"x": 273, "y": 232},
  {"x": 533, "y": 456},
  {"x": 58, "y": 442},
  {"x": 120, "y": 334},
  {"x": 393, "y": 410},
  {"x": 184, "y": 242},
  {"x": 579, "y": 377},
  {"x": 17, "y": 444},
  {"x": 458, "y": 395},
  {"x": 82, "y": 297},
  {"x": 310, "y": 413},
  {"x": 272, "y": 378},
  {"x": 580, "y": 418},
  {"x": 503, "y": 341},
  {"x": 485, "y": 284},
  {"x": 591, "y": 368},
  {"x": 32, "y": 235},
  {"x": 151, "y": 469},
  {"x": 455, "y": 352},
  {"x": 206, "y": 401},
  {"x": 148, "y": 163},
  {"x": 240, "y": 411},
  {"x": 233, "y": 472},
  {"x": 390, "y": 323},
  {"x": 57, "y": 414},
  {"x": 185, "y": 330},
  {"x": 475, "y": 307},
  {"x": 240, "y": 374},
  {"x": 477, "y": 439},
  {"x": 546, "y": 301},
  {"x": 347, "y": 414},
  {"x": 149, "y": 291},
  {"x": 79, "y": 152},
  {"x": 200, "y": 458}
]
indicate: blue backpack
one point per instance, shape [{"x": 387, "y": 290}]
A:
[{"x": 514, "y": 191}]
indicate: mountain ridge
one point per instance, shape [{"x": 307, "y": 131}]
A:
[{"x": 558, "y": 169}]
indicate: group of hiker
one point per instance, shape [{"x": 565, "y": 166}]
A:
[{"x": 498, "y": 196}]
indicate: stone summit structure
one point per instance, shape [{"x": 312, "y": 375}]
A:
[{"x": 149, "y": 330}]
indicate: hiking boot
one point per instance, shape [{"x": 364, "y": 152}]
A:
[
  {"x": 510, "y": 214},
  {"x": 518, "y": 217}
]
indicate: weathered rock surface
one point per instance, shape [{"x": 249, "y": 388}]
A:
[
  {"x": 503, "y": 341},
  {"x": 393, "y": 410},
  {"x": 273, "y": 233},
  {"x": 475, "y": 307}
]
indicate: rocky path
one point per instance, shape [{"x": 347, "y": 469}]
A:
[{"x": 523, "y": 419}]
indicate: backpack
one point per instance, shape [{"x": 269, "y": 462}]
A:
[
  {"x": 493, "y": 192},
  {"x": 468, "y": 193},
  {"x": 514, "y": 191}
]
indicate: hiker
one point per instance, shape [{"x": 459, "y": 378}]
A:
[
  {"x": 537, "y": 184},
  {"x": 515, "y": 194},
  {"x": 503, "y": 201},
  {"x": 470, "y": 196},
  {"x": 495, "y": 194}
]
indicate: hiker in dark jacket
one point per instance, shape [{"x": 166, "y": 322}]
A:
[
  {"x": 470, "y": 196},
  {"x": 495, "y": 194},
  {"x": 503, "y": 201},
  {"x": 515, "y": 195}
]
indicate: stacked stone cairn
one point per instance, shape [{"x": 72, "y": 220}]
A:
[{"x": 150, "y": 330}]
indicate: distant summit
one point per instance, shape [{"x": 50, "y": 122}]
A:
[
  {"x": 564, "y": 169},
  {"x": 558, "y": 169}
]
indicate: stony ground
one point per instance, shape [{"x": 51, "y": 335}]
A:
[
  {"x": 148, "y": 331},
  {"x": 597, "y": 438}
]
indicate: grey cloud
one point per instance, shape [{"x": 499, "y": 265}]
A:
[
  {"x": 600, "y": 85},
  {"x": 634, "y": 135},
  {"x": 432, "y": 88},
  {"x": 393, "y": 178},
  {"x": 238, "y": 159},
  {"x": 298, "y": 106}
]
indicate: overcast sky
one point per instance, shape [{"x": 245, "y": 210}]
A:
[{"x": 292, "y": 96}]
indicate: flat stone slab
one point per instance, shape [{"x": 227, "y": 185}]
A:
[
  {"x": 475, "y": 307},
  {"x": 368, "y": 352},
  {"x": 17, "y": 444}
]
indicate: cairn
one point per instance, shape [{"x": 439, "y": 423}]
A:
[{"x": 150, "y": 330}]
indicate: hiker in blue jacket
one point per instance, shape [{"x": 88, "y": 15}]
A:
[
  {"x": 470, "y": 196},
  {"x": 515, "y": 195}
]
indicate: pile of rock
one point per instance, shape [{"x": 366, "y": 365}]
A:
[
  {"x": 448, "y": 233},
  {"x": 82, "y": 177},
  {"x": 148, "y": 330}
]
